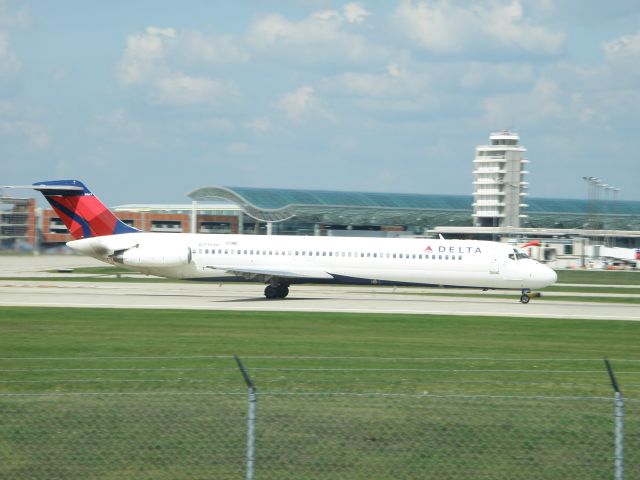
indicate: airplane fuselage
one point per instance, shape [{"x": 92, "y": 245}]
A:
[{"x": 297, "y": 259}]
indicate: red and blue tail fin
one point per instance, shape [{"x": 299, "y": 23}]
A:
[{"x": 84, "y": 215}]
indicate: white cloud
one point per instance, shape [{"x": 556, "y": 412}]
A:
[
  {"x": 397, "y": 89},
  {"x": 151, "y": 59},
  {"x": 114, "y": 119},
  {"x": 59, "y": 74},
  {"x": 123, "y": 127},
  {"x": 623, "y": 50},
  {"x": 394, "y": 82},
  {"x": 478, "y": 75},
  {"x": 323, "y": 35},
  {"x": 179, "y": 89},
  {"x": 144, "y": 55},
  {"x": 35, "y": 134},
  {"x": 238, "y": 148},
  {"x": 274, "y": 29},
  {"x": 118, "y": 127},
  {"x": 259, "y": 125},
  {"x": 585, "y": 112},
  {"x": 446, "y": 27},
  {"x": 394, "y": 70},
  {"x": 10, "y": 18},
  {"x": 222, "y": 49},
  {"x": 545, "y": 103},
  {"x": 355, "y": 13},
  {"x": 8, "y": 107},
  {"x": 618, "y": 108},
  {"x": 214, "y": 125},
  {"x": 327, "y": 15},
  {"x": 9, "y": 63},
  {"x": 299, "y": 102}
]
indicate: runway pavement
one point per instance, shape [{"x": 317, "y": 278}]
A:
[
  {"x": 248, "y": 297},
  {"x": 29, "y": 265},
  {"x": 303, "y": 298}
]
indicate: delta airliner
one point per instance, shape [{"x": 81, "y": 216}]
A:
[{"x": 280, "y": 261}]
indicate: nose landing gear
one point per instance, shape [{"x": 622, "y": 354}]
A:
[{"x": 524, "y": 298}]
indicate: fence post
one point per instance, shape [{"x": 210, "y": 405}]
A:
[
  {"x": 619, "y": 423},
  {"x": 251, "y": 419}
]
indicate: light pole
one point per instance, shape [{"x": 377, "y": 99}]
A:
[
  {"x": 608, "y": 197},
  {"x": 616, "y": 191},
  {"x": 613, "y": 198},
  {"x": 605, "y": 203},
  {"x": 592, "y": 199}
]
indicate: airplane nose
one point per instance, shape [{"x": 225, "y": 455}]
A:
[
  {"x": 540, "y": 276},
  {"x": 547, "y": 276}
]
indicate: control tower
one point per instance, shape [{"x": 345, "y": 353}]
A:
[{"x": 498, "y": 181}]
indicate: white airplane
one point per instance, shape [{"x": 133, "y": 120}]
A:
[{"x": 280, "y": 260}]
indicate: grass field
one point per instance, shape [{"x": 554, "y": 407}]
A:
[
  {"x": 99, "y": 393},
  {"x": 601, "y": 277},
  {"x": 312, "y": 352}
]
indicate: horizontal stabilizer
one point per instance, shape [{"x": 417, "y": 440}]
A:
[
  {"x": 44, "y": 188},
  {"x": 62, "y": 188}
]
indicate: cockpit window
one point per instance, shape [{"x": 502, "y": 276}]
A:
[{"x": 517, "y": 255}]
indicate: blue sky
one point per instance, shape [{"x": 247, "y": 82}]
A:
[{"x": 148, "y": 100}]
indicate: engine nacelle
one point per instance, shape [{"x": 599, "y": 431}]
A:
[{"x": 156, "y": 256}]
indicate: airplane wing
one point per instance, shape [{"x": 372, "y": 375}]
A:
[{"x": 268, "y": 272}]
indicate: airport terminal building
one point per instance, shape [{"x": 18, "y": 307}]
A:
[{"x": 317, "y": 212}]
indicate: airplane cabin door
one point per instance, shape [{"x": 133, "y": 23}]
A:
[{"x": 494, "y": 266}]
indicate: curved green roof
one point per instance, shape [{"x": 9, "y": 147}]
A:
[
  {"x": 577, "y": 206},
  {"x": 278, "y": 204},
  {"x": 271, "y": 198}
]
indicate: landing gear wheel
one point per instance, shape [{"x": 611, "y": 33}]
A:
[
  {"x": 276, "y": 291},
  {"x": 271, "y": 292},
  {"x": 524, "y": 298},
  {"x": 283, "y": 291}
]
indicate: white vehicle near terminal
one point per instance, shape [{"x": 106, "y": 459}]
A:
[{"x": 280, "y": 261}]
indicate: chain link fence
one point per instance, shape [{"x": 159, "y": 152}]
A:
[
  {"x": 203, "y": 435},
  {"x": 122, "y": 436}
]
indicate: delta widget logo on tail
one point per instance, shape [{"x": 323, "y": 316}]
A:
[{"x": 82, "y": 212}]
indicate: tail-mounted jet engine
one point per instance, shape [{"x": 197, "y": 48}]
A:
[{"x": 155, "y": 256}]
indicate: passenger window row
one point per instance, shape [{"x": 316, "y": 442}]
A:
[{"x": 311, "y": 253}]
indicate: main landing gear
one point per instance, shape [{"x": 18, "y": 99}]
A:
[
  {"x": 276, "y": 291},
  {"x": 524, "y": 298}
]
